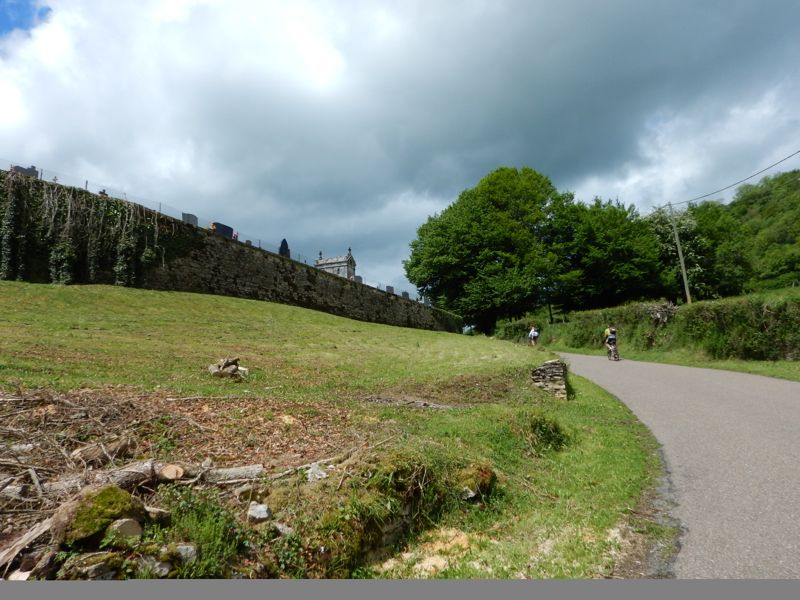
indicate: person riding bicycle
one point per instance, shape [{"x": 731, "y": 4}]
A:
[{"x": 610, "y": 337}]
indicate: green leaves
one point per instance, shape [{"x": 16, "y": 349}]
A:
[
  {"x": 514, "y": 242},
  {"x": 483, "y": 255}
]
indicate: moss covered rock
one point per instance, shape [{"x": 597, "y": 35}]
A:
[
  {"x": 86, "y": 519},
  {"x": 476, "y": 481},
  {"x": 95, "y": 565}
]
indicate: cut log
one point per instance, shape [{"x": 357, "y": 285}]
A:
[
  {"x": 133, "y": 475},
  {"x": 230, "y": 361},
  {"x": 10, "y": 553},
  {"x": 170, "y": 472},
  {"x": 233, "y": 473},
  {"x": 100, "y": 454},
  {"x": 127, "y": 477}
]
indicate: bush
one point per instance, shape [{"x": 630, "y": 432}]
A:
[
  {"x": 542, "y": 433},
  {"x": 755, "y": 327}
]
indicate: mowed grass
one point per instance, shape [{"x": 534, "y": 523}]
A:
[
  {"x": 83, "y": 336},
  {"x": 556, "y": 513}
]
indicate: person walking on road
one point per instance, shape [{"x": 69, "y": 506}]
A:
[{"x": 533, "y": 336}]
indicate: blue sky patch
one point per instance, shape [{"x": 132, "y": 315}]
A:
[{"x": 20, "y": 14}]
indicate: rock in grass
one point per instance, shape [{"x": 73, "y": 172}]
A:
[
  {"x": 94, "y": 565},
  {"x": 228, "y": 367},
  {"x": 155, "y": 567},
  {"x": 158, "y": 515},
  {"x": 476, "y": 481},
  {"x": 186, "y": 552},
  {"x": 315, "y": 473},
  {"x": 86, "y": 519},
  {"x": 182, "y": 552},
  {"x": 258, "y": 513},
  {"x": 127, "y": 529},
  {"x": 282, "y": 529}
]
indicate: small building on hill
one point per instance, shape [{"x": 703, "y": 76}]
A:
[{"x": 343, "y": 266}]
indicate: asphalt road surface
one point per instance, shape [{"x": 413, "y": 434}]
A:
[{"x": 732, "y": 447}]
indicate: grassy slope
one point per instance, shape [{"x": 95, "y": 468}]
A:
[
  {"x": 68, "y": 337},
  {"x": 554, "y": 512}
]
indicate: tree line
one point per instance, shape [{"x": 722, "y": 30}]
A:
[{"x": 514, "y": 243}]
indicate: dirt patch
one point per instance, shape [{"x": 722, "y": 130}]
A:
[
  {"x": 40, "y": 432},
  {"x": 463, "y": 390},
  {"x": 408, "y": 401},
  {"x": 643, "y": 553},
  {"x": 432, "y": 556}
]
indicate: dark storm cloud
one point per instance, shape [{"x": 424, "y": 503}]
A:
[{"x": 348, "y": 123}]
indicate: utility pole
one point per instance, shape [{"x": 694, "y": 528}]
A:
[{"x": 680, "y": 253}]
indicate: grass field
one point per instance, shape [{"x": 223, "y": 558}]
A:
[{"x": 570, "y": 475}]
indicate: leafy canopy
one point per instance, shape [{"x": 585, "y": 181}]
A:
[{"x": 483, "y": 257}]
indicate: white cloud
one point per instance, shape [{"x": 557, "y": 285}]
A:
[
  {"x": 691, "y": 153},
  {"x": 348, "y": 123}
]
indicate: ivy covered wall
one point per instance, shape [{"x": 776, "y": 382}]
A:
[{"x": 59, "y": 234}]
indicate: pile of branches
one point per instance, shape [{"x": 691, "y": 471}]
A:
[
  {"x": 45, "y": 435},
  {"x": 661, "y": 314}
]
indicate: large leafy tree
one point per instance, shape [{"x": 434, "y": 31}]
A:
[
  {"x": 484, "y": 256},
  {"x": 613, "y": 257},
  {"x": 693, "y": 246},
  {"x": 725, "y": 259},
  {"x": 715, "y": 250}
]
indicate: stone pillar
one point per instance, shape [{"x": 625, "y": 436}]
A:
[{"x": 552, "y": 377}]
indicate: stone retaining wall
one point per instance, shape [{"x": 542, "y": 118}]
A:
[
  {"x": 226, "y": 267},
  {"x": 107, "y": 240},
  {"x": 552, "y": 377}
]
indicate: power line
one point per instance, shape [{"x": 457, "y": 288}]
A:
[
  {"x": 734, "y": 184},
  {"x": 675, "y": 228}
]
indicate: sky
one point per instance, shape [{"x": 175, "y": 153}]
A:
[{"x": 346, "y": 124}]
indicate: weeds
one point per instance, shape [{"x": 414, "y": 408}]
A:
[{"x": 201, "y": 518}]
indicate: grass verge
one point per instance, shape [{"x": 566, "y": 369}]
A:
[
  {"x": 782, "y": 369},
  {"x": 465, "y": 469}
]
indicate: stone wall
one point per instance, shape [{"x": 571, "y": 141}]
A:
[
  {"x": 60, "y": 234},
  {"x": 552, "y": 377},
  {"x": 226, "y": 267}
]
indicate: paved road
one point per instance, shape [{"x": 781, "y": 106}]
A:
[{"x": 732, "y": 446}]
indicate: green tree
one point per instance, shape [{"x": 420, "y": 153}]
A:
[
  {"x": 483, "y": 257},
  {"x": 694, "y": 248},
  {"x": 614, "y": 257},
  {"x": 725, "y": 245},
  {"x": 770, "y": 213}
]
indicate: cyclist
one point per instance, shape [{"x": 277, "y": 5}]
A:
[{"x": 610, "y": 337}]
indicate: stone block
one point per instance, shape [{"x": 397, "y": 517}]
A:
[{"x": 551, "y": 377}]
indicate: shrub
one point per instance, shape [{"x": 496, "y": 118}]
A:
[
  {"x": 200, "y": 517},
  {"x": 756, "y": 327}
]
